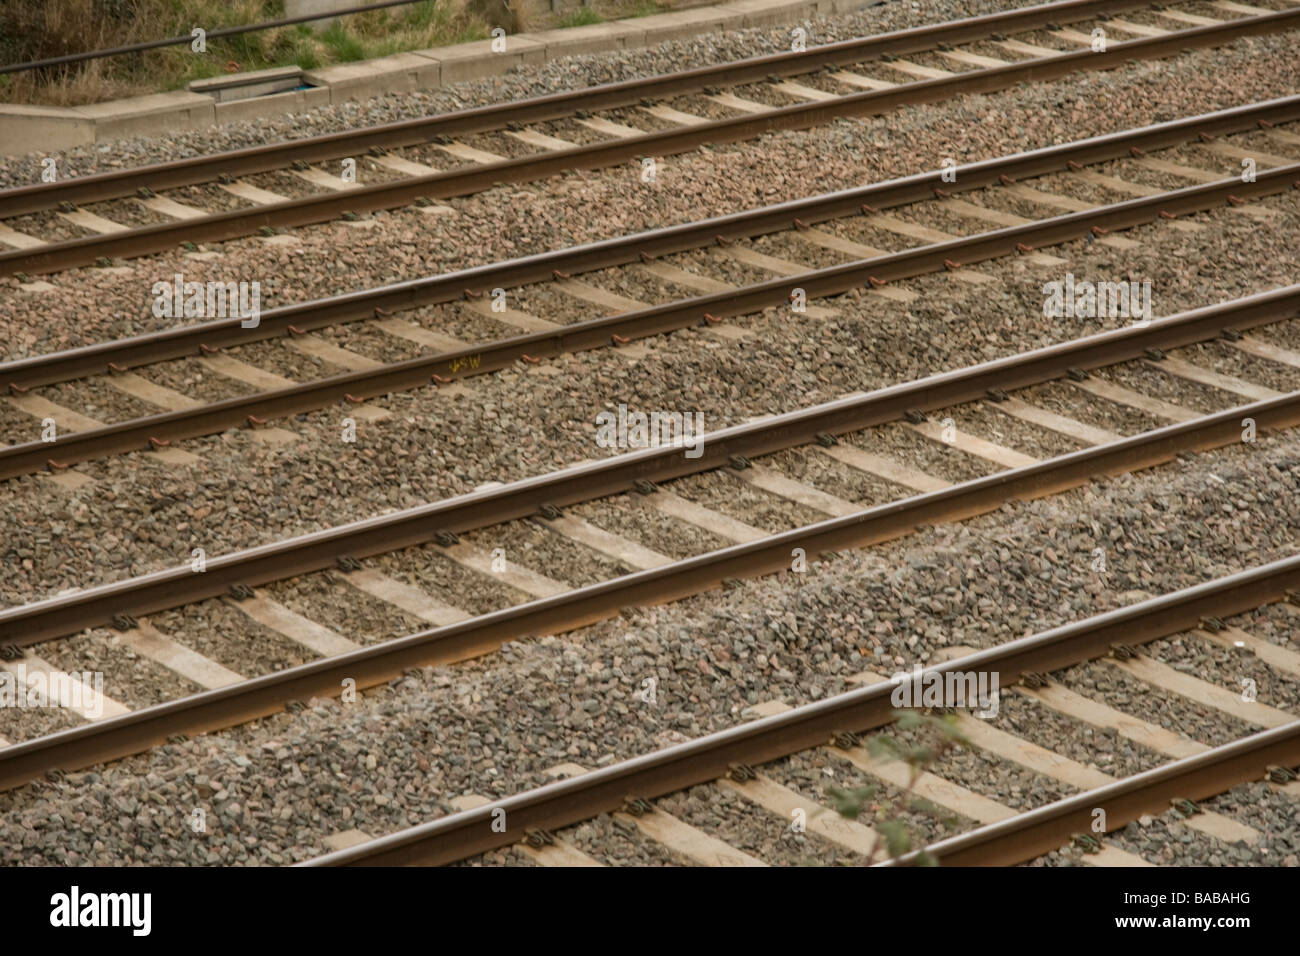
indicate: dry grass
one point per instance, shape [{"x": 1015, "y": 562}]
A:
[{"x": 39, "y": 29}]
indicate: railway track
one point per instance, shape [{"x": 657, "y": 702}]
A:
[
  {"x": 448, "y": 359},
  {"x": 653, "y": 578},
  {"x": 522, "y": 499},
  {"x": 258, "y": 632},
  {"x": 552, "y": 124},
  {"x": 208, "y": 337},
  {"x": 829, "y": 732}
]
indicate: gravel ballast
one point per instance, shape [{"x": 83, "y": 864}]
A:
[
  {"x": 278, "y": 786},
  {"x": 272, "y": 790}
]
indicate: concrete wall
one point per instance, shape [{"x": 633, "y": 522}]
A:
[
  {"x": 48, "y": 129},
  {"x": 302, "y": 8}
]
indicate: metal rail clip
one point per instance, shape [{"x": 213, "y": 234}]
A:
[
  {"x": 539, "y": 838},
  {"x": 637, "y": 806}
]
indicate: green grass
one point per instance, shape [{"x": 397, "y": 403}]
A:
[
  {"x": 582, "y": 17},
  {"x": 345, "y": 47},
  {"x": 426, "y": 15},
  {"x": 35, "y": 29},
  {"x": 307, "y": 60}
]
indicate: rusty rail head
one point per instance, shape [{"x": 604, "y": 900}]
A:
[
  {"x": 111, "y": 185},
  {"x": 571, "y": 801},
  {"x": 356, "y": 306},
  {"x": 312, "y": 209},
  {"x": 136, "y": 434}
]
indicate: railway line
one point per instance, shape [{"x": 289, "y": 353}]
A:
[
  {"x": 733, "y": 759},
  {"x": 82, "y": 236},
  {"x": 653, "y": 577},
  {"x": 208, "y": 337},
  {"x": 450, "y": 359},
  {"x": 234, "y": 644}
]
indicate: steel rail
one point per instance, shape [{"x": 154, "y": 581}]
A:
[
  {"x": 1038, "y": 831},
  {"x": 162, "y": 590},
  {"x": 210, "y": 35},
  {"x": 161, "y": 429},
  {"x": 313, "y": 209},
  {"x": 357, "y": 306},
  {"x": 243, "y": 162},
  {"x": 567, "y": 802},
  {"x": 259, "y": 696}
]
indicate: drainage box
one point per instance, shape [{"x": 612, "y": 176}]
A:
[{"x": 243, "y": 86}]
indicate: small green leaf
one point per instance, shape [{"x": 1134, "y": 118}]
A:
[
  {"x": 949, "y": 728},
  {"x": 922, "y": 805},
  {"x": 849, "y": 803},
  {"x": 909, "y": 719},
  {"x": 896, "y": 837},
  {"x": 920, "y": 756},
  {"x": 883, "y": 747}
]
